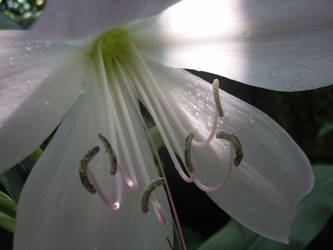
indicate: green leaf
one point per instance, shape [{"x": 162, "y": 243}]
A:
[
  {"x": 7, "y": 23},
  {"x": 7, "y": 205},
  {"x": 36, "y": 154},
  {"x": 232, "y": 236},
  {"x": 325, "y": 129},
  {"x": 192, "y": 238},
  {"x": 311, "y": 216},
  {"x": 14, "y": 178},
  {"x": 155, "y": 134},
  {"x": 7, "y": 222}
]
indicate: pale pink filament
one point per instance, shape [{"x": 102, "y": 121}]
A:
[
  {"x": 132, "y": 183},
  {"x": 172, "y": 204},
  {"x": 116, "y": 204},
  {"x": 158, "y": 211},
  {"x": 119, "y": 193},
  {"x": 211, "y": 135},
  {"x": 221, "y": 183}
]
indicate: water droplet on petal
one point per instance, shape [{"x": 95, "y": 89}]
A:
[
  {"x": 46, "y": 103},
  {"x": 251, "y": 120},
  {"x": 28, "y": 82},
  {"x": 82, "y": 92},
  {"x": 11, "y": 61},
  {"x": 27, "y": 48},
  {"x": 274, "y": 73},
  {"x": 277, "y": 144},
  {"x": 47, "y": 45}
]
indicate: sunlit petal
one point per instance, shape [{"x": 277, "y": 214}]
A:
[
  {"x": 67, "y": 216},
  {"x": 68, "y": 19},
  {"x": 278, "y": 45},
  {"x": 38, "y": 84},
  {"x": 264, "y": 190}
]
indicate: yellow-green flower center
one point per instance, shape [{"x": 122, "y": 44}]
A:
[{"x": 114, "y": 45}]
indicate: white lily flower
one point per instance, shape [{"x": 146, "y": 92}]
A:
[{"x": 93, "y": 85}]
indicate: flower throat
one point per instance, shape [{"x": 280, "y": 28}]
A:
[
  {"x": 114, "y": 44},
  {"x": 124, "y": 78}
]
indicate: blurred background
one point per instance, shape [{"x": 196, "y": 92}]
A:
[{"x": 307, "y": 116}]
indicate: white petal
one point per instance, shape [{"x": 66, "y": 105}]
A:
[
  {"x": 38, "y": 84},
  {"x": 273, "y": 177},
  {"x": 68, "y": 19},
  {"x": 279, "y": 45},
  {"x": 56, "y": 212}
]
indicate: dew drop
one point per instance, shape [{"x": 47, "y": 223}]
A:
[
  {"x": 47, "y": 45},
  {"x": 277, "y": 144},
  {"x": 28, "y": 82},
  {"x": 274, "y": 73},
  {"x": 46, "y": 103},
  {"x": 82, "y": 92},
  {"x": 196, "y": 113},
  {"x": 27, "y": 48},
  {"x": 251, "y": 120},
  {"x": 11, "y": 61}
]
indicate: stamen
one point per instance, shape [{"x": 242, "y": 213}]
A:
[
  {"x": 158, "y": 211},
  {"x": 236, "y": 144},
  {"x": 112, "y": 154},
  {"x": 153, "y": 113},
  {"x": 102, "y": 195},
  {"x": 172, "y": 205},
  {"x": 84, "y": 167},
  {"x": 146, "y": 194},
  {"x": 216, "y": 94},
  {"x": 218, "y": 114},
  {"x": 221, "y": 184},
  {"x": 110, "y": 107},
  {"x": 188, "y": 153}
]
